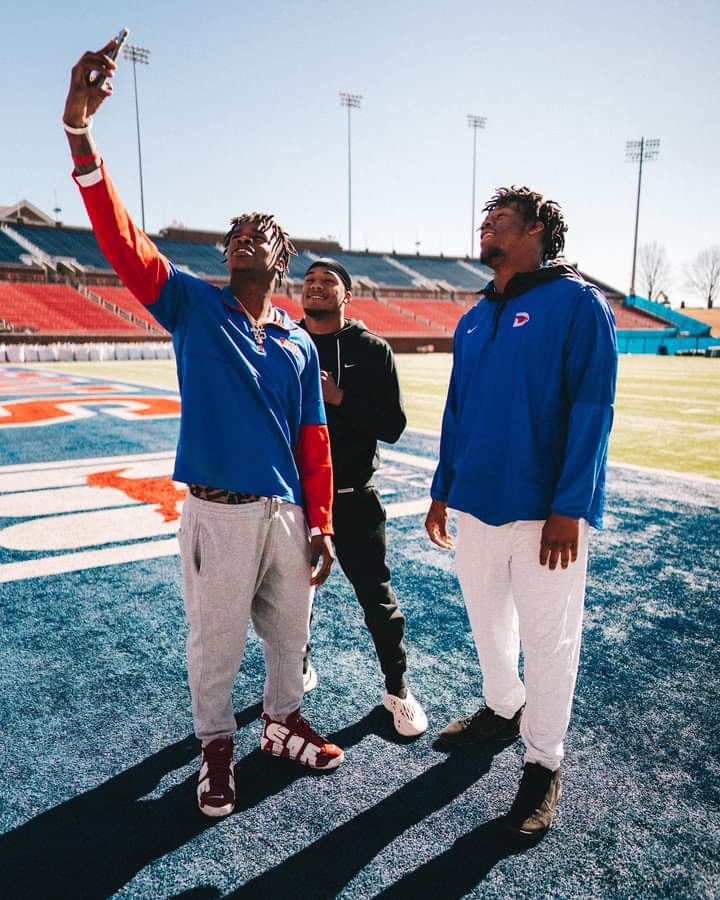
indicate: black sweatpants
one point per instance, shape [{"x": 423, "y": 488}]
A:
[{"x": 359, "y": 520}]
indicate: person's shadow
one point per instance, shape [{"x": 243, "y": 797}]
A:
[
  {"x": 95, "y": 843},
  {"x": 92, "y": 845},
  {"x": 330, "y": 863}
]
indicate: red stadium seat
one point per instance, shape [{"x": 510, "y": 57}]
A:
[{"x": 58, "y": 309}]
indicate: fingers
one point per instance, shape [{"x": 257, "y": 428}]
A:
[
  {"x": 320, "y": 549},
  {"x": 564, "y": 552},
  {"x": 89, "y": 69},
  {"x": 320, "y": 575},
  {"x": 108, "y": 47},
  {"x": 437, "y": 532},
  {"x": 544, "y": 553}
]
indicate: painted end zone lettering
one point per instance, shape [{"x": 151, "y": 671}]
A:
[{"x": 36, "y": 412}]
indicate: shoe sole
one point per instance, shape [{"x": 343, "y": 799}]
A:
[
  {"x": 217, "y": 812},
  {"x": 526, "y": 835},
  {"x": 333, "y": 764},
  {"x": 470, "y": 742}
]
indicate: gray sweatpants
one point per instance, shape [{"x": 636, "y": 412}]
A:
[{"x": 251, "y": 559}]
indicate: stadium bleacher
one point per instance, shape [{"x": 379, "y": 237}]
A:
[
  {"x": 635, "y": 319},
  {"x": 449, "y": 271},
  {"x": 292, "y": 307},
  {"x": 67, "y": 243},
  {"x": 10, "y": 251},
  {"x": 123, "y": 299},
  {"x": 57, "y": 309},
  {"x": 299, "y": 264},
  {"x": 387, "y": 321},
  {"x": 442, "y": 313},
  {"x": 410, "y": 293},
  {"x": 204, "y": 259},
  {"x": 375, "y": 268}
]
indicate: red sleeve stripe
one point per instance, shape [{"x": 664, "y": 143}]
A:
[
  {"x": 315, "y": 466},
  {"x": 139, "y": 264}
]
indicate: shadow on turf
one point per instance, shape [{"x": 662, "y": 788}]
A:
[
  {"x": 330, "y": 863},
  {"x": 95, "y": 843}
]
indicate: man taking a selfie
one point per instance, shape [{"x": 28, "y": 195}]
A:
[{"x": 255, "y": 535}]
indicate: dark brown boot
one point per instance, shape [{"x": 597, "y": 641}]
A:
[{"x": 537, "y": 798}]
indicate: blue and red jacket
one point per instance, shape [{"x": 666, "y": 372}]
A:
[
  {"x": 530, "y": 404},
  {"x": 252, "y": 417}
]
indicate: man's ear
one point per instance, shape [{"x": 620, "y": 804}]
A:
[
  {"x": 537, "y": 229},
  {"x": 348, "y": 296}
]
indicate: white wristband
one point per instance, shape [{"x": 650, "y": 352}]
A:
[{"x": 71, "y": 130}]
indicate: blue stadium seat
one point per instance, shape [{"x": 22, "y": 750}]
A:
[
  {"x": 10, "y": 251},
  {"x": 376, "y": 268},
  {"x": 204, "y": 259},
  {"x": 448, "y": 270},
  {"x": 68, "y": 242}
]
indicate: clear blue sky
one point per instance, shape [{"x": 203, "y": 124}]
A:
[{"x": 240, "y": 111}]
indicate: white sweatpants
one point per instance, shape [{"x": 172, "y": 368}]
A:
[{"x": 511, "y": 598}]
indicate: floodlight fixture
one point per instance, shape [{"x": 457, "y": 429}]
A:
[
  {"x": 138, "y": 55},
  {"x": 474, "y": 122},
  {"x": 351, "y": 101},
  {"x": 644, "y": 150}
]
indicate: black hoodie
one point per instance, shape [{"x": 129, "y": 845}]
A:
[{"x": 363, "y": 365}]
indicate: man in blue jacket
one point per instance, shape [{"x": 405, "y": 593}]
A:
[{"x": 523, "y": 456}]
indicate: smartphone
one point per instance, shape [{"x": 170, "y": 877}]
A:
[{"x": 96, "y": 78}]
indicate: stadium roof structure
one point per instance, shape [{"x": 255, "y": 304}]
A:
[{"x": 25, "y": 211}]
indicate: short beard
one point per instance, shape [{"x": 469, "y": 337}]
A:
[
  {"x": 320, "y": 313},
  {"x": 490, "y": 256}
]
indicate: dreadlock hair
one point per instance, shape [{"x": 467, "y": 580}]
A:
[
  {"x": 534, "y": 208},
  {"x": 279, "y": 239}
]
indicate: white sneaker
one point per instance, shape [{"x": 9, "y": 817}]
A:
[
  {"x": 408, "y": 716},
  {"x": 310, "y": 679}
]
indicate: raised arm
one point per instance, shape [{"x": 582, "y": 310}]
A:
[
  {"x": 137, "y": 261},
  {"x": 83, "y": 101}
]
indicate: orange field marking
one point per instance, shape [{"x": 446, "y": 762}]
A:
[
  {"x": 159, "y": 492},
  {"x": 42, "y": 412}
]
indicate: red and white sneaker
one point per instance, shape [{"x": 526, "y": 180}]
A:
[
  {"x": 296, "y": 739},
  {"x": 216, "y": 782}
]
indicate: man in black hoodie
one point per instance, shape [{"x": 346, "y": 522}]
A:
[{"x": 363, "y": 405}]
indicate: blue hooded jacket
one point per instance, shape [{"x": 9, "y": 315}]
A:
[{"x": 530, "y": 402}]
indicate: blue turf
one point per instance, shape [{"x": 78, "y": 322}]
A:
[{"x": 99, "y": 765}]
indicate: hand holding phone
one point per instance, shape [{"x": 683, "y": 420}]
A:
[{"x": 97, "y": 79}]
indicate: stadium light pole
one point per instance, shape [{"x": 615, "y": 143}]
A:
[
  {"x": 351, "y": 101},
  {"x": 474, "y": 122},
  {"x": 639, "y": 151},
  {"x": 138, "y": 55}
]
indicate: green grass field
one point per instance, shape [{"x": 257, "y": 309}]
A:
[{"x": 667, "y": 411}]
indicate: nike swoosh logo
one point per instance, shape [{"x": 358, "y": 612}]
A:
[
  {"x": 470, "y": 330},
  {"x": 349, "y": 365}
]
